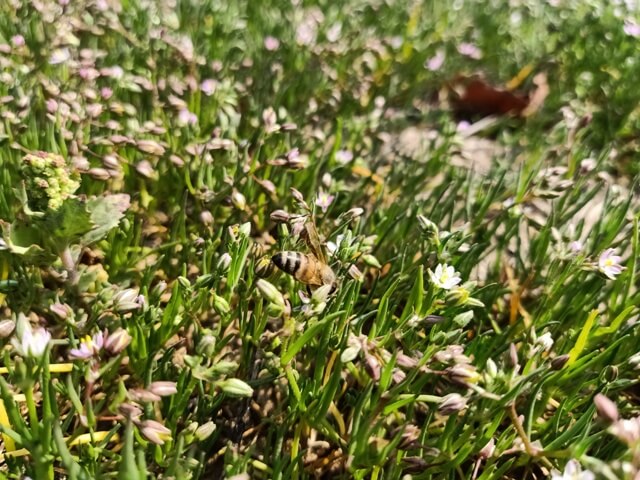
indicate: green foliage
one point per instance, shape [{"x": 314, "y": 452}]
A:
[{"x": 154, "y": 157}]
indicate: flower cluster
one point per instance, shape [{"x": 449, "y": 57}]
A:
[{"x": 49, "y": 180}]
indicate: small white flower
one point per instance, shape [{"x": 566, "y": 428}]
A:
[
  {"x": 185, "y": 117},
  {"x": 435, "y": 62},
  {"x": 609, "y": 264},
  {"x": 634, "y": 360},
  {"x": 60, "y": 55},
  {"x": 576, "y": 247},
  {"x": 445, "y": 276},
  {"x": 271, "y": 43},
  {"x": 572, "y": 471},
  {"x": 627, "y": 430},
  {"x": 343, "y": 157},
  {"x": 545, "y": 341},
  {"x": 31, "y": 343},
  {"x": 333, "y": 247}
]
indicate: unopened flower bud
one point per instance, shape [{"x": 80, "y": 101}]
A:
[
  {"x": 488, "y": 450},
  {"x": 206, "y": 217},
  {"x": 163, "y": 389},
  {"x": 429, "y": 229},
  {"x": 117, "y": 341},
  {"x": 245, "y": 229},
  {"x": 99, "y": 173},
  {"x": 61, "y": 310},
  {"x": 355, "y": 273},
  {"x": 6, "y": 328},
  {"x": 130, "y": 410},
  {"x": 352, "y": 214},
  {"x": 513, "y": 356},
  {"x": 491, "y": 368},
  {"x": 126, "y": 300},
  {"x": 268, "y": 185},
  {"x": 280, "y": 216},
  {"x": 142, "y": 395},
  {"x": 610, "y": 373},
  {"x": 159, "y": 288},
  {"x": 150, "y": 146},
  {"x": 451, "y": 403},
  {"x": 263, "y": 266},
  {"x": 205, "y": 430},
  {"x": 299, "y": 163},
  {"x": 297, "y": 195},
  {"x": 220, "y": 305},
  {"x": 235, "y": 387},
  {"x": 270, "y": 293},
  {"x": 372, "y": 366},
  {"x": 463, "y": 374},
  {"x": 224, "y": 262},
  {"x": 634, "y": 360},
  {"x": 457, "y": 296},
  {"x": 155, "y": 432},
  {"x": 398, "y": 375},
  {"x": 607, "y": 410},
  {"x": 405, "y": 361},
  {"x": 559, "y": 362},
  {"x": 371, "y": 261},
  {"x": 238, "y": 199},
  {"x": 206, "y": 345}
]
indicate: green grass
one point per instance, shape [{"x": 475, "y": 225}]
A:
[{"x": 385, "y": 376}]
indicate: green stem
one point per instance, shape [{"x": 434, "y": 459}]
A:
[
  {"x": 31, "y": 405},
  {"x": 69, "y": 265},
  {"x": 43, "y": 467}
]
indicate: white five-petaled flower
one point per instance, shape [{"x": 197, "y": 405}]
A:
[
  {"x": 572, "y": 471},
  {"x": 445, "y": 276},
  {"x": 31, "y": 343},
  {"x": 609, "y": 264}
]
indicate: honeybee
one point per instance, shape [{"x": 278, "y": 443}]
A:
[{"x": 308, "y": 268}]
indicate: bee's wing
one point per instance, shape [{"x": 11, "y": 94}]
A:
[{"x": 313, "y": 241}]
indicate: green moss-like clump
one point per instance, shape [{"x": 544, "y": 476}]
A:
[{"x": 49, "y": 180}]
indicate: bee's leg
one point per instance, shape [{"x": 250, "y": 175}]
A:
[{"x": 309, "y": 290}]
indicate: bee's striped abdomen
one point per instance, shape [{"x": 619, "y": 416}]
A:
[{"x": 288, "y": 261}]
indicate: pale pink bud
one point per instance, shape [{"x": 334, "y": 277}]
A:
[
  {"x": 607, "y": 410},
  {"x": 452, "y": 403},
  {"x": 117, "y": 341},
  {"x": 162, "y": 388},
  {"x": 6, "y": 328},
  {"x": 155, "y": 432},
  {"x": 141, "y": 395}
]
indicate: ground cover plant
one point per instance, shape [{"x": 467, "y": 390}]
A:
[{"x": 468, "y": 166}]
